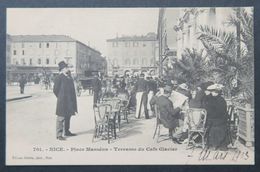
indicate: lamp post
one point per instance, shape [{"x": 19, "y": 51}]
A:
[{"x": 162, "y": 57}]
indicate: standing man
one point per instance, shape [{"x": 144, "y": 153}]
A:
[
  {"x": 22, "y": 83},
  {"x": 151, "y": 93},
  {"x": 64, "y": 90},
  {"x": 152, "y": 89},
  {"x": 141, "y": 88},
  {"x": 96, "y": 87}
]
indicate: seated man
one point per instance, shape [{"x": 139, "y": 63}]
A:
[
  {"x": 168, "y": 115},
  {"x": 153, "y": 100}
]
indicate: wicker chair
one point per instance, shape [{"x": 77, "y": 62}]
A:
[
  {"x": 104, "y": 122},
  {"x": 196, "y": 119}
]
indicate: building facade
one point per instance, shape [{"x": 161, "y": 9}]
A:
[
  {"x": 178, "y": 29},
  {"x": 8, "y": 56},
  {"x": 35, "y": 54},
  {"x": 131, "y": 53},
  {"x": 190, "y": 20}
]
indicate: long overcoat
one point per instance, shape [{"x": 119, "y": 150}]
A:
[
  {"x": 64, "y": 90},
  {"x": 216, "y": 120}
]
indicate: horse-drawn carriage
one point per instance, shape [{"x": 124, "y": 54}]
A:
[{"x": 85, "y": 83}]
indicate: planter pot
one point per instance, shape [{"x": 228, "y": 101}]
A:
[{"x": 246, "y": 125}]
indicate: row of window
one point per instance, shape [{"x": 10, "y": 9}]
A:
[
  {"x": 47, "y": 45},
  {"x": 39, "y": 61},
  {"x": 15, "y": 52},
  {"x": 129, "y": 44},
  {"x": 56, "y": 52},
  {"x": 134, "y": 62},
  {"x": 40, "y": 45}
]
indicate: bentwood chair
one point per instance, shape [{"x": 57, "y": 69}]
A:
[
  {"x": 158, "y": 125},
  {"x": 124, "y": 109},
  {"x": 104, "y": 122},
  {"x": 196, "y": 119},
  {"x": 116, "y": 105},
  {"x": 232, "y": 123}
]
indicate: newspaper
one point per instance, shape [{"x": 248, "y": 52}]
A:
[{"x": 178, "y": 99}]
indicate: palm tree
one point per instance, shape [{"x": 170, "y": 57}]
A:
[
  {"x": 244, "y": 21},
  {"x": 192, "y": 67},
  {"x": 222, "y": 49}
]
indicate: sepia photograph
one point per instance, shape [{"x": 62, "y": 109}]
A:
[{"x": 130, "y": 86}]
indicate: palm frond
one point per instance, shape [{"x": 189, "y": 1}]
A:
[{"x": 216, "y": 40}]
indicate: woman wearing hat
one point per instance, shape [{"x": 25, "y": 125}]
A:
[{"x": 216, "y": 123}]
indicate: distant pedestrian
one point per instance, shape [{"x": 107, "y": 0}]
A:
[
  {"x": 97, "y": 88},
  {"x": 127, "y": 82},
  {"x": 22, "y": 83},
  {"x": 64, "y": 90}
]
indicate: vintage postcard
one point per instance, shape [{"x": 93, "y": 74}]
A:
[{"x": 130, "y": 86}]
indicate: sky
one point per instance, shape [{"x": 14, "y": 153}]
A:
[{"x": 92, "y": 26}]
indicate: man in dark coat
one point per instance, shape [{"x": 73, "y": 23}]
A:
[
  {"x": 22, "y": 83},
  {"x": 96, "y": 86},
  {"x": 168, "y": 114},
  {"x": 64, "y": 90}
]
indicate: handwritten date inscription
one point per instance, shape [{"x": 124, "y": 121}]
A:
[{"x": 206, "y": 155}]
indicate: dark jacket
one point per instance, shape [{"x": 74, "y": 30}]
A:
[
  {"x": 216, "y": 107},
  {"x": 64, "y": 90},
  {"x": 96, "y": 85},
  {"x": 141, "y": 85},
  {"x": 152, "y": 86},
  {"x": 22, "y": 82},
  {"x": 168, "y": 115},
  {"x": 197, "y": 101}
]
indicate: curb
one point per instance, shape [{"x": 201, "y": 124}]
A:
[{"x": 18, "y": 98}]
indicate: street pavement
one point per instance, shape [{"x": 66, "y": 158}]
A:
[
  {"x": 13, "y": 92},
  {"x": 31, "y": 129}
]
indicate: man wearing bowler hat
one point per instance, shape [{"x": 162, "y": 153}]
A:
[{"x": 64, "y": 90}]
